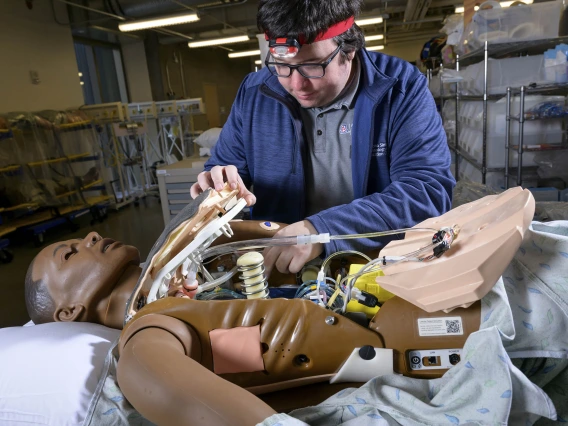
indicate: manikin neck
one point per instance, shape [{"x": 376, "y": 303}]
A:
[{"x": 110, "y": 310}]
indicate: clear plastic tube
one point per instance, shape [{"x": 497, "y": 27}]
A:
[
  {"x": 261, "y": 243},
  {"x": 217, "y": 282},
  {"x": 381, "y": 233}
]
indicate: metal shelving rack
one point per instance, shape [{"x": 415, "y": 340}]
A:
[
  {"x": 550, "y": 89},
  {"x": 494, "y": 51}
]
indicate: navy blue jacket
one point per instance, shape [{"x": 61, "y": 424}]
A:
[{"x": 399, "y": 155}]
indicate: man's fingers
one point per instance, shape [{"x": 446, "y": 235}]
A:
[
  {"x": 218, "y": 177},
  {"x": 204, "y": 181},
  {"x": 296, "y": 264},
  {"x": 250, "y": 199},
  {"x": 233, "y": 178},
  {"x": 283, "y": 261},
  {"x": 270, "y": 255},
  {"x": 195, "y": 190}
]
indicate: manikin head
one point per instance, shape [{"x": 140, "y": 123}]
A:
[
  {"x": 86, "y": 279},
  {"x": 308, "y": 20}
]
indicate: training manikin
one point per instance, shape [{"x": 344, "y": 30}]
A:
[{"x": 184, "y": 350}]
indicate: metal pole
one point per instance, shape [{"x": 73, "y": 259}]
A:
[
  {"x": 521, "y": 131},
  {"x": 507, "y": 136},
  {"x": 484, "y": 152},
  {"x": 457, "y": 119}
]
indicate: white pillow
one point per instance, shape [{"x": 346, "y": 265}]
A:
[
  {"x": 49, "y": 372},
  {"x": 209, "y": 138}
]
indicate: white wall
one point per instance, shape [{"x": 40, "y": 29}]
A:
[
  {"x": 409, "y": 51},
  {"x": 136, "y": 71},
  {"x": 31, "y": 40}
]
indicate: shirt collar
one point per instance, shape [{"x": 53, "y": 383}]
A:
[{"x": 347, "y": 96}]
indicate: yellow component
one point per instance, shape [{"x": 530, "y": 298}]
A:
[{"x": 368, "y": 284}]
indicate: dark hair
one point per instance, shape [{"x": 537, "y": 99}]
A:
[
  {"x": 310, "y": 18},
  {"x": 39, "y": 303}
]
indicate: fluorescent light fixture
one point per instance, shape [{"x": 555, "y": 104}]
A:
[
  {"x": 461, "y": 9},
  {"x": 158, "y": 22},
  {"x": 242, "y": 54},
  {"x": 81, "y": 83},
  {"x": 218, "y": 41},
  {"x": 374, "y": 37},
  {"x": 380, "y": 47},
  {"x": 370, "y": 21},
  {"x": 80, "y": 74},
  {"x": 258, "y": 62}
]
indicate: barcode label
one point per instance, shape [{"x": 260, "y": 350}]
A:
[{"x": 446, "y": 326}]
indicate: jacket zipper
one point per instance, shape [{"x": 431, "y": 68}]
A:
[{"x": 271, "y": 94}]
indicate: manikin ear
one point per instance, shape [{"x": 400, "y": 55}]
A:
[{"x": 70, "y": 313}]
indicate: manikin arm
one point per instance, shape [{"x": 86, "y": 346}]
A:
[{"x": 158, "y": 377}]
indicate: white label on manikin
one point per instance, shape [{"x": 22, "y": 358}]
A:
[{"x": 444, "y": 326}]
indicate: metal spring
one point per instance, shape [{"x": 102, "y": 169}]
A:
[{"x": 261, "y": 279}]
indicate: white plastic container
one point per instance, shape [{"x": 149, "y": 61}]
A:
[
  {"x": 503, "y": 73},
  {"x": 528, "y": 22},
  {"x": 535, "y": 133}
]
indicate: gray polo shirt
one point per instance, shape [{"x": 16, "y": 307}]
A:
[{"x": 329, "y": 181}]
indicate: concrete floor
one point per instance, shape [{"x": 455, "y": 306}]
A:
[{"x": 138, "y": 226}]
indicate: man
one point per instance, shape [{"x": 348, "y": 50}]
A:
[{"x": 334, "y": 139}]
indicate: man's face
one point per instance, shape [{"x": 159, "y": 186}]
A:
[
  {"x": 317, "y": 92},
  {"x": 83, "y": 271}
]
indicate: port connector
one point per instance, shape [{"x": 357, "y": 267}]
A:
[{"x": 454, "y": 359}]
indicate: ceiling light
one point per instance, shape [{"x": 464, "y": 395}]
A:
[
  {"x": 370, "y": 21},
  {"x": 258, "y": 62},
  {"x": 241, "y": 54},
  {"x": 218, "y": 41},
  {"x": 380, "y": 47},
  {"x": 158, "y": 22},
  {"x": 80, "y": 74},
  {"x": 374, "y": 37},
  {"x": 460, "y": 9}
]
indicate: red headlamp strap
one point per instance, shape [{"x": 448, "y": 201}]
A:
[
  {"x": 335, "y": 30},
  {"x": 331, "y": 32}
]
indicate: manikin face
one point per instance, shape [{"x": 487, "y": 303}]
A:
[
  {"x": 83, "y": 272},
  {"x": 317, "y": 92}
]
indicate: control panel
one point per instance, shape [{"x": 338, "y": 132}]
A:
[{"x": 435, "y": 359}]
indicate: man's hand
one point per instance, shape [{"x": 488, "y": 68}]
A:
[
  {"x": 216, "y": 179},
  {"x": 291, "y": 259}
]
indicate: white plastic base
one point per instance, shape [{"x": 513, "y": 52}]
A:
[{"x": 357, "y": 369}]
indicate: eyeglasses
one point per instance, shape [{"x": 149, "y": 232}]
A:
[{"x": 281, "y": 69}]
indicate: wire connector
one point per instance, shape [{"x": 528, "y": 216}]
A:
[{"x": 364, "y": 298}]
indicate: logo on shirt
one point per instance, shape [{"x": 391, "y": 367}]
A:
[{"x": 344, "y": 129}]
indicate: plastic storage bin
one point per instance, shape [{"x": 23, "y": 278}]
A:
[
  {"x": 531, "y": 22},
  {"x": 536, "y": 132},
  {"x": 503, "y": 73}
]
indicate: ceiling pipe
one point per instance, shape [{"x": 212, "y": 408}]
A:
[{"x": 101, "y": 12}]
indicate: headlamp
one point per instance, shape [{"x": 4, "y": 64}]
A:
[
  {"x": 284, "y": 47},
  {"x": 288, "y": 47}
]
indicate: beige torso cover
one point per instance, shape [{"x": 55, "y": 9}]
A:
[{"x": 288, "y": 329}]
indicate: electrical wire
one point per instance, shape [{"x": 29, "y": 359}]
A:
[{"x": 339, "y": 253}]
